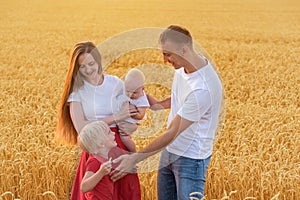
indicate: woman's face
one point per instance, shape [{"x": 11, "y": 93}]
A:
[{"x": 88, "y": 67}]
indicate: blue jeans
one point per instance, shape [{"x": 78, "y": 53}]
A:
[{"x": 179, "y": 176}]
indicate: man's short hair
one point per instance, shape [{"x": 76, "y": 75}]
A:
[{"x": 176, "y": 34}]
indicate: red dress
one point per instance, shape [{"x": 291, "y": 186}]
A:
[
  {"x": 104, "y": 190},
  {"x": 126, "y": 188}
]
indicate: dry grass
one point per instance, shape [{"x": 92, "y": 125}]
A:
[{"x": 255, "y": 45}]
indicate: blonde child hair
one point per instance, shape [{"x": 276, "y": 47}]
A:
[
  {"x": 134, "y": 79},
  {"x": 93, "y": 136}
]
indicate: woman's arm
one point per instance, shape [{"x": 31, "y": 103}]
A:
[
  {"x": 79, "y": 120},
  {"x": 77, "y": 116},
  {"x": 91, "y": 179},
  {"x": 127, "y": 110},
  {"x": 159, "y": 105}
]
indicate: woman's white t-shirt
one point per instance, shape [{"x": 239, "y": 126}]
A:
[{"x": 97, "y": 100}]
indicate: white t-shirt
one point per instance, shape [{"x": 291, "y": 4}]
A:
[
  {"x": 139, "y": 102},
  {"x": 196, "y": 97},
  {"x": 97, "y": 101}
]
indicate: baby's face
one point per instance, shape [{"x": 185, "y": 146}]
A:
[{"x": 134, "y": 94}]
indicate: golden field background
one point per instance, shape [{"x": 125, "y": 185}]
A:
[{"x": 254, "y": 44}]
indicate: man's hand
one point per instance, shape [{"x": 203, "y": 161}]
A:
[{"x": 127, "y": 165}]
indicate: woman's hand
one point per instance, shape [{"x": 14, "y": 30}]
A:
[{"x": 127, "y": 110}]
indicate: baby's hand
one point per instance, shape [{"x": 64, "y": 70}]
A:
[{"x": 106, "y": 167}]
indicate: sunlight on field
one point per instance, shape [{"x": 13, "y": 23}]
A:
[{"x": 254, "y": 44}]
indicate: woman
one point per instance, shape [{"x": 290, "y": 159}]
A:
[{"x": 87, "y": 97}]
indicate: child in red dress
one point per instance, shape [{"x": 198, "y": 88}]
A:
[{"x": 97, "y": 139}]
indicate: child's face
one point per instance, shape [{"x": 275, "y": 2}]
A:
[
  {"x": 111, "y": 142},
  {"x": 108, "y": 141},
  {"x": 135, "y": 93}
]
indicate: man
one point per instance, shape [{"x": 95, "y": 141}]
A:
[{"x": 195, "y": 106}]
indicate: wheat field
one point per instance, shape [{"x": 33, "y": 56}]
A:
[{"x": 255, "y": 46}]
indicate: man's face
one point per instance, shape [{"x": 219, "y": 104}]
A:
[{"x": 172, "y": 53}]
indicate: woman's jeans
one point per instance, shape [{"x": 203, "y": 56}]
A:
[{"x": 179, "y": 177}]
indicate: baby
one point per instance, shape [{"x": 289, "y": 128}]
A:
[
  {"x": 134, "y": 93},
  {"x": 97, "y": 139}
]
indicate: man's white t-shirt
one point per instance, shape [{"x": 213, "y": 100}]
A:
[
  {"x": 97, "y": 101},
  {"x": 196, "y": 97}
]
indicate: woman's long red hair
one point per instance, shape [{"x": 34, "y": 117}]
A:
[{"x": 65, "y": 130}]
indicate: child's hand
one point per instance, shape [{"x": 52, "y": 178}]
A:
[{"x": 106, "y": 167}]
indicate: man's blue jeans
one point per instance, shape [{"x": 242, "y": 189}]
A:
[{"x": 179, "y": 176}]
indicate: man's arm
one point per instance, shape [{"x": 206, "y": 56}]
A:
[
  {"x": 159, "y": 105},
  {"x": 177, "y": 125},
  {"x": 127, "y": 162},
  {"x": 195, "y": 106}
]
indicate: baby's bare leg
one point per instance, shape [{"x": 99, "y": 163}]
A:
[{"x": 128, "y": 142}]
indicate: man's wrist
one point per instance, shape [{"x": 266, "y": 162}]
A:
[{"x": 138, "y": 157}]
